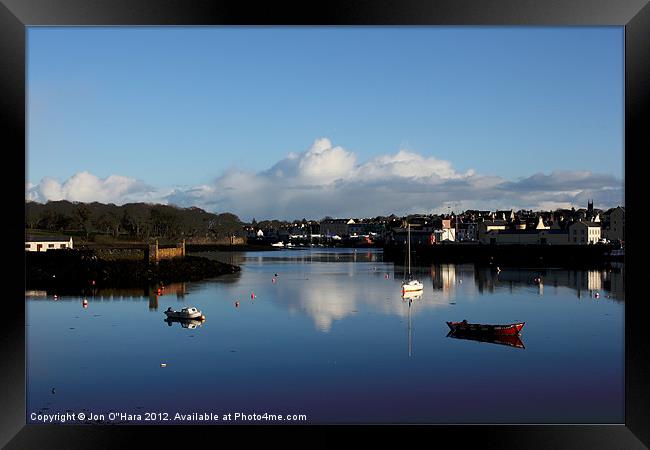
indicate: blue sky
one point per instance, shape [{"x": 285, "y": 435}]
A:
[{"x": 177, "y": 112}]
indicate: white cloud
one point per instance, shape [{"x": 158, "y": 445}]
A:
[
  {"x": 86, "y": 187},
  {"x": 327, "y": 180}
]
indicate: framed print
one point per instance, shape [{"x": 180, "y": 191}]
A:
[{"x": 355, "y": 216}]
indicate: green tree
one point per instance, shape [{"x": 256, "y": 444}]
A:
[{"x": 82, "y": 214}]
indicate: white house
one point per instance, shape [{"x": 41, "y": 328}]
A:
[
  {"x": 45, "y": 243},
  {"x": 584, "y": 232}
]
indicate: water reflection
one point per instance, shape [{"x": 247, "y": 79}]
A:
[
  {"x": 326, "y": 299},
  {"x": 512, "y": 341},
  {"x": 446, "y": 278},
  {"x": 297, "y": 256},
  {"x": 311, "y": 283},
  {"x": 410, "y": 297},
  {"x": 324, "y": 324},
  {"x": 185, "y": 323},
  {"x": 133, "y": 293}
]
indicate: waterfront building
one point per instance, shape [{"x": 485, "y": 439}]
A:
[
  {"x": 45, "y": 243},
  {"x": 529, "y": 236},
  {"x": 486, "y": 226},
  {"x": 419, "y": 237},
  {"x": 614, "y": 230},
  {"x": 519, "y": 224},
  {"x": 467, "y": 231},
  {"x": 553, "y": 236},
  {"x": 443, "y": 231},
  {"x": 336, "y": 227},
  {"x": 584, "y": 232}
]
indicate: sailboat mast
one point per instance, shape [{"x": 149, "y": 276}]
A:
[{"x": 409, "y": 247}]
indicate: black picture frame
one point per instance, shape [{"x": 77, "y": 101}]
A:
[{"x": 16, "y": 15}]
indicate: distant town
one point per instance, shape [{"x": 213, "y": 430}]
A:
[
  {"x": 67, "y": 224},
  {"x": 560, "y": 227}
]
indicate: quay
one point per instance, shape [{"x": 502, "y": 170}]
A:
[{"x": 513, "y": 254}]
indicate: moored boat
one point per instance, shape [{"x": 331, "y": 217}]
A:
[
  {"x": 410, "y": 284},
  {"x": 189, "y": 312},
  {"x": 465, "y": 327},
  {"x": 412, "y": 295}
]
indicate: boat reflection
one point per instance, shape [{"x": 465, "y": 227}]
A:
[
  {"x": 410, "y": 296},
  {"x": 509, "y": 340},
  {"x": 185, "y": 323}
]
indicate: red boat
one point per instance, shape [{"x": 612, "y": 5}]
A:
[{"x": 465, "y": 327}]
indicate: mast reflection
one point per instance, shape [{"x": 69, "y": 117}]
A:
[{"x": 410, "y": 297}]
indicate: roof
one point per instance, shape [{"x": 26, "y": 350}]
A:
[
  {"x": 589, "y": 224},
  {"x": 47, "y": 239},
  {"x": 344, "y": 221}
]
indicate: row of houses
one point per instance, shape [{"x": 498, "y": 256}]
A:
[
  {"x": 556, "y": 228},
  {"x": 326, "y": 228},
  {"x": 562, "y": 226}
]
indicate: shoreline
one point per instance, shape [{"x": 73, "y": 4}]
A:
[
  {"x": 511, "y": 255},
  {"x": 84, "y": 270}
]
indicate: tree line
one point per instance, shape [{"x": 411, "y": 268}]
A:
[{"x": 138, "y": 221}]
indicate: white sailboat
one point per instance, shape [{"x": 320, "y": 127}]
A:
[{"x": 410, "y": 284}]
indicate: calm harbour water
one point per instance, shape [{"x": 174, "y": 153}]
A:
[{"x": 333, "y": 339}]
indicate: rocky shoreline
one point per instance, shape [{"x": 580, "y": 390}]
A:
[{"x": 75, "y": 269}]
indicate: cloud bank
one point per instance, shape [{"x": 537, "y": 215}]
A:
[{"x": 328, "y": 180}]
